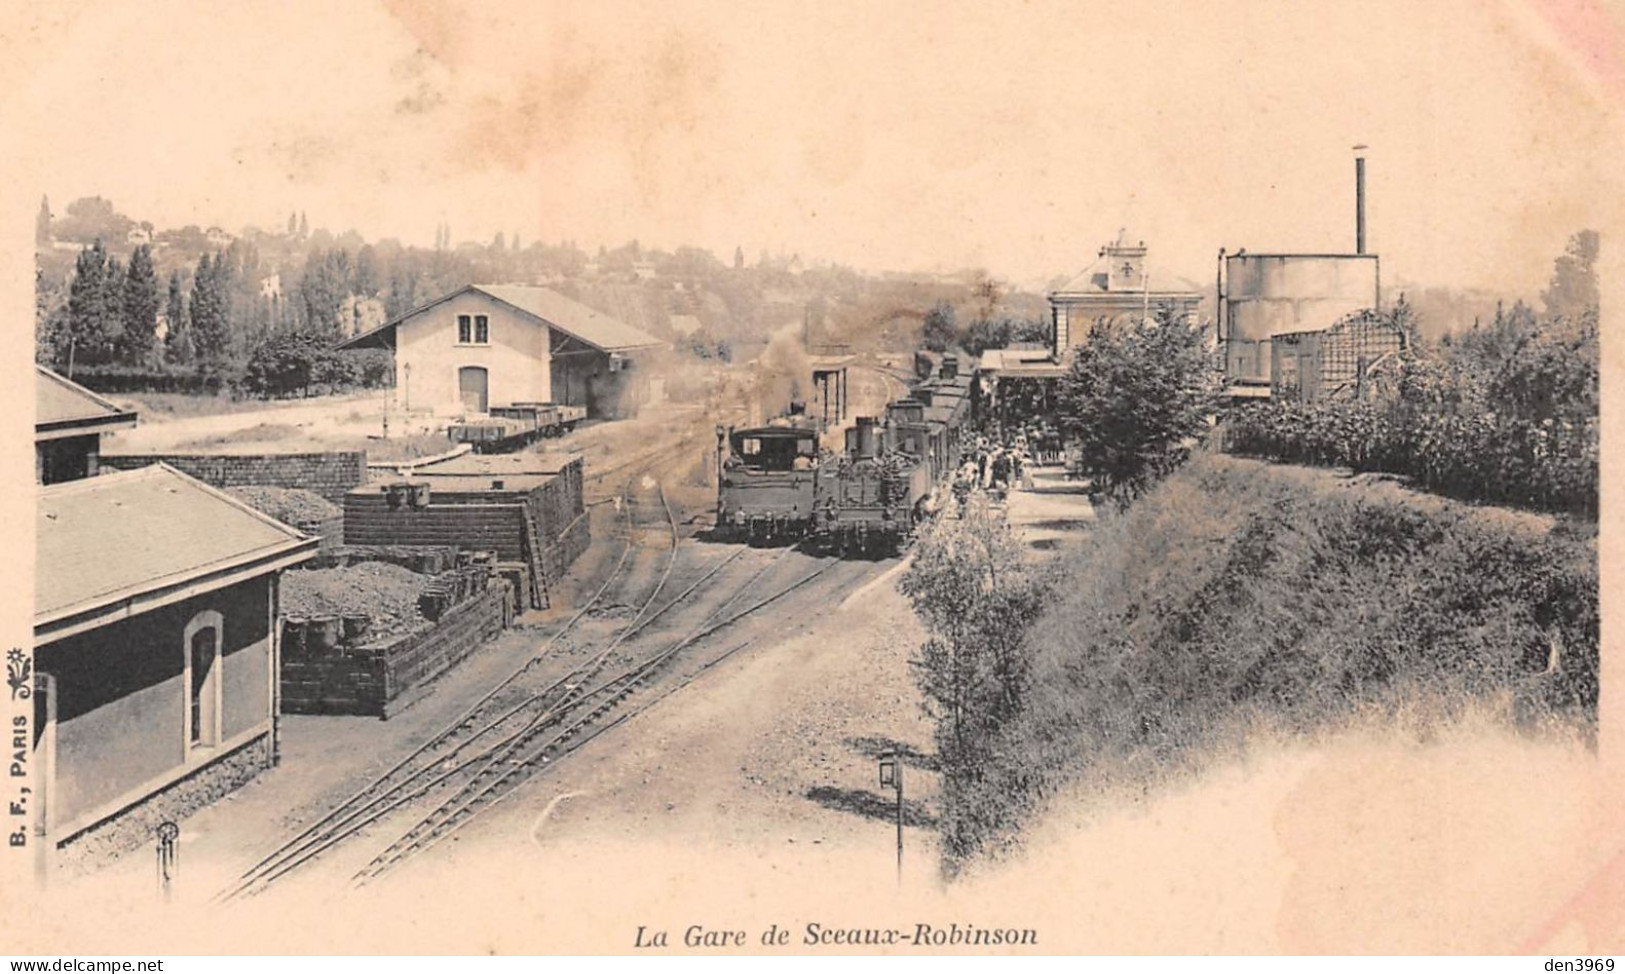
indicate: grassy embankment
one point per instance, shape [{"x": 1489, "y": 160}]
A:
[{"x": 1238, "y": 596}]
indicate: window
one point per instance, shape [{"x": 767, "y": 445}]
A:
[
  {"x": 473, "y": 330},
  {"x": 202, "y": 671}
]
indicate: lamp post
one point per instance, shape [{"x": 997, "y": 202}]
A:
[
  {"x": 722, "y": 444},
  {"x": 891, "y": 776},
  {"x": 168, "y": 834}
]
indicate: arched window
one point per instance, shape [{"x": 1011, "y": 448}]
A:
[{"x": 201, "y": 644}]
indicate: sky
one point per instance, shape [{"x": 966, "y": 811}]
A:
[{"x": 1016, "y": 137}]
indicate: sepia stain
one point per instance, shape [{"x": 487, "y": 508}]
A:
[{"x": 435, "y": 26}]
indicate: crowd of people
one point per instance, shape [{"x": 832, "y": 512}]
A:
[{"x": 999, "y": 460}]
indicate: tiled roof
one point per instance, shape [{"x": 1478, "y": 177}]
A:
[
  {"x": 593, "y": 327},
  {"x": 61, "y": 404},
  {"x": 105, "y": 539},
  {"x": 571, "y": 317}
]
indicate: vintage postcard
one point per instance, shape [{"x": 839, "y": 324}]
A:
[{"x": 774, "y": 479}]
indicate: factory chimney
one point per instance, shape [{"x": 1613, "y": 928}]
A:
[{"x": 1359, "y": 199}]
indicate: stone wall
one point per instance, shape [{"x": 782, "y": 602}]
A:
[
  {"x": 328, "y": 474},
  {"x": 136, "y": 825}
]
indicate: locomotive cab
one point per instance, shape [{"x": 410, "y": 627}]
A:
[
  {"x": 767, "y": 485},
  {"x": 772, "y": 448}
]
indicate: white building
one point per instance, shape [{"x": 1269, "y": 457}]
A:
[{"x": 487, "y": 344}]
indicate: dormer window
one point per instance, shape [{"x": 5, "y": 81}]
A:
[{"x": 473, "y": 330}]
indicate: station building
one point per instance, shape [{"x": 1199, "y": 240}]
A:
[
  {"x": 155, "y": 649},
  {"x": 488, "y": 344},
  {"x": 1019, "y": 381}
]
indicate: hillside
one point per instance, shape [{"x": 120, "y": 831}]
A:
[{"x": 1240, "y": 597}]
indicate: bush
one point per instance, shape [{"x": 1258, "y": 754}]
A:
[
  {"x": 283, "y": 365},
  {"x": 967, "y": 583},
  {"x": 1505, "y": 414},
  {"x": 120, "y": 379},
  {"x": 1236, "y": 595}
]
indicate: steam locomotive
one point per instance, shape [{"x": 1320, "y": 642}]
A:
[{"x": 776, "y": 485}]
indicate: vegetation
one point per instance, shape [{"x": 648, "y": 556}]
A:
[
  {"x": 1134, "y": 400},
  {"x": 941, "y": 331},
  {"x": 967, "y": 583},
  {"x": 1235, "y": 595},
  {"x": 1505, "y": 414}
]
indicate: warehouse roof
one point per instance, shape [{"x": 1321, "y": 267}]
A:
[
  {"x": 121, "y": 543},
  {"x": 65, "y": 408},
  {"x": 539, "y": 303}
]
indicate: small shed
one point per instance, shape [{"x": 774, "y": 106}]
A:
[
  {"x": 1332, "y": 362},
  {"x": 69, "y": 421}
]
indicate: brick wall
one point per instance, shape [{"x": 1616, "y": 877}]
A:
[
  {"x": 493, "y": 524},
  {"x": 327, "y": 474},
  {"x": 482, "y": 520},
  {"x": 378, "y": 680}
]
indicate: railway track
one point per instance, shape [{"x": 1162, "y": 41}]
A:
[
  {"x": 492, "y": 777},
  {"x": 496, "y": 713}
]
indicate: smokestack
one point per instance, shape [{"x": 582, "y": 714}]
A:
[{"x": 1359, "y": 199}]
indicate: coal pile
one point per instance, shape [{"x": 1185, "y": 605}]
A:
[
  {"x": 388, "y": 596},
  {"x": 290, "y": 505}
]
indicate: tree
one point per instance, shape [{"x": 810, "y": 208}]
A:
[
  {"x": 1136, "y": 395},
  {"x": 322, "y": 290},
  {"x": 42, "y": 225},
  {"x": 92, "y": 217},
  {"x": 1573, "y": 288},
  {"x": 92, "y": 325},
  {"x": 210, "y": 329},
  {"x": 283, "y": 364},
  {"x": 50, "y": 322},
  {"x": 177, "y": 337},
  {"x": 366, "y": 271},
  {"x": 140, "y": 309},
  {"x": 939, "y": 331},
  {"x": 293, "y": 223},
  {"x": 739, "y": 258},
  {"x": 304, "y": 225}
]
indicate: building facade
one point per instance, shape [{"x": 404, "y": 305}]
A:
[
  {"x": 486, "y": 345},
  {"x": 69, "y": 421},
  {"x": 156, "y": 648},
  {"x": 1117, "y": 286}
]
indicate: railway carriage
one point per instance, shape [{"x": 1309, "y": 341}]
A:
[{"x": 513, "y": 427}]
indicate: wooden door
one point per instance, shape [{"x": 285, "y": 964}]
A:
[{"x": 473, "y": 385}]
